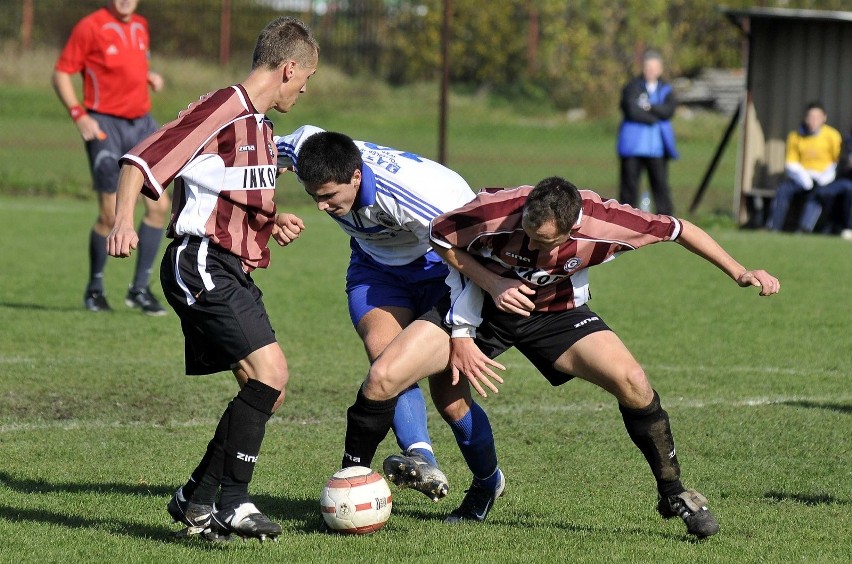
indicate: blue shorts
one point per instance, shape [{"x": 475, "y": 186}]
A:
[
  {"x": 121, "y": 136},
  {"x": 416, "y": 286}
]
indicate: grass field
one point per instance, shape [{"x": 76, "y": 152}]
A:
[{"x": 98, "y": 425}]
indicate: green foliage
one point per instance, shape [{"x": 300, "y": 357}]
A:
[
  {"x": 508, "y": 137},
  {"x": 98, "y": 424},
  {"x": 579, "y": 53}
]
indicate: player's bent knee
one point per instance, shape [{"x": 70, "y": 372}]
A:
[
  {"x": 379, "y": 385},
  {"x": 635, "y": 389}
]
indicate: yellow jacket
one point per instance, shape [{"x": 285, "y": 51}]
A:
[{"x": 814, "y": 152}]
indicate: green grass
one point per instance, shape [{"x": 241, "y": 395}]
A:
[
  {"x": 489, "y": 142},
  {"x": 98, "y": 424}
]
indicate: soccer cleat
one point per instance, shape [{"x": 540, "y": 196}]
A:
[
  {"x": 690, "y": 506},
  {"x": 195, "y": 516},
  {"x": 95, "y": 300},
  {"x": 245, "y": 520},
  {"x": 413, "y": 470},
  {"x": 477, "y": 502},
  {"x": 145, "y": 301}
]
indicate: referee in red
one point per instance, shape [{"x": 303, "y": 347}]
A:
[{"x": 109, "y": 48}]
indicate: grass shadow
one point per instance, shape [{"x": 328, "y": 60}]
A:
[
  {"x": 116, "y": 527},
  {"x": 25, "y": 485},
  {"x": 41, "y": 307},
  {"x": 838, "y": 407},
  {"x": 805, "y": 499}
]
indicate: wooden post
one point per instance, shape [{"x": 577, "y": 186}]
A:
[
  {"x": 225, "y": 33},
  {"x": 27, "y": 25},
  {"x": 445, "y": 82}
]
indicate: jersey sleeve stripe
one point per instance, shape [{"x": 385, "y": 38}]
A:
[{"x": 410, "y": 196}]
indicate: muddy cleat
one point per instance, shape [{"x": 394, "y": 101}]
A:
[
  {"x": 477, "y": 503},
  {"x": 245, "y": 521},
  {"x": 412, "y": 470},
  {"x": 690, "y": 506},
  {"x": 195, "y": 516}
]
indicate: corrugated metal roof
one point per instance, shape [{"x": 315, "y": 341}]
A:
[{"x": 737, "y": 15}]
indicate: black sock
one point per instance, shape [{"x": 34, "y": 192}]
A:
[
  {"x": 649, "y": 429},
  {"x": 97, "y": 261},
  {"x": 203, "y": 485},
  {"x": 250, "y": 411},
  {"x": 149, "y": 246},
  {"x": 367, "y": 424}
]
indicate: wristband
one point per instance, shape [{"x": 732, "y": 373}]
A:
[{"x": 76, "y": 112}]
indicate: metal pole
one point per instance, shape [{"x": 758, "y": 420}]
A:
[
  {"x": 715, "y": 161},
  {"x": 445, "y": 81},
  {"x": 225, "y": 33}
]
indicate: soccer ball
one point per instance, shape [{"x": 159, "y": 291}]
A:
[{"x": 356, "y": 501}]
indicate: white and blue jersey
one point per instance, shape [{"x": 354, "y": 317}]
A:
[{"x": 400, "y": 194}]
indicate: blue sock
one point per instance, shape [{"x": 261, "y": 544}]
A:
[
  {"x": 476, "y": 442},
  {"x": 409, "y": 424}
]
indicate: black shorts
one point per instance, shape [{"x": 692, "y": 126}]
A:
[
  {"x": 541, "y": 337},
  {"x": 121, "y": 136},
  {"x": 220, "y": 308}
]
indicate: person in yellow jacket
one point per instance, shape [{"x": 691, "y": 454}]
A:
[{"x": 811, "y": 160}]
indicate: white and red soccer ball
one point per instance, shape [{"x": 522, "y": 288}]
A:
[{"x": 356, "y": 500}]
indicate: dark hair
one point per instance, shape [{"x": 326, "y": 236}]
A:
[
  {"x": 556, "y": 199},
  {"x": 285, "y": 39},
  {"x": 815, "y": 105},
  {"x": 327, "y": 157}
]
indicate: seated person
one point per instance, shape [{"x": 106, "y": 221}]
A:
[
  {"x": 833, "y": 202},
  {"x": 811, "y": 160}
]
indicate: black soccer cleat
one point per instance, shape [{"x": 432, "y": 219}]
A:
[
  {"x": 690, "y": 506},
  {"x": 245, "y": 521},
  {"x": 95, "y": 300},
  {"x": 195, "y": 516},
  {"x": 145, "y": 301},
  {"x": 413, "y": 470},
  {"x": 477, "y": 503}
]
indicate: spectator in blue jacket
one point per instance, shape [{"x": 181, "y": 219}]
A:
[{"x": 646, "y": 137}]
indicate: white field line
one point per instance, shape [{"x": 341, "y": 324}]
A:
[
  {"x": 649, "y": 368},
  {"x": 671, "y": 402}
]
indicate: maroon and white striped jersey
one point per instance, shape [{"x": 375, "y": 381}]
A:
[
  {"x": 489, "y": 227},
  {"x": 220, "y": 155}
]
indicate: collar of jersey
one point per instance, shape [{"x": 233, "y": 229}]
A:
[{"x": 367, "y": 190}]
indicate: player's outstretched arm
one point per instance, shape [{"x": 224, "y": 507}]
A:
[
  {"x": 122, "y": 240},
  {"x": 698, "y": 241}
]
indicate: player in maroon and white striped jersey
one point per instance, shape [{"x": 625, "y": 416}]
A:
[
  {"x": 220, "y": 155},
  {"x": 530, "y": 250}
]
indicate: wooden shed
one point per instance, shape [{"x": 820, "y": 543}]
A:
[{"x": 793, "y": 57}]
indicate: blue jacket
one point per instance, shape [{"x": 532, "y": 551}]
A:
[{"x": 647, "y": 133}]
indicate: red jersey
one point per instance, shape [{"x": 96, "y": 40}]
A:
[
  {"x": 220, "y": 155},
  {"x": 489, "y": 227},
  {"x": 113, "y": 58}
]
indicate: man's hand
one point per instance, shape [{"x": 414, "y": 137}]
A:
[
  {"x": 287, "y": 228},
  {"x": 511, "y": 296},
  {"x": 89, "y": 128},
  {"x": 155, "y": 81},
  {"x": 768, "y": 284},
  {"x": 466, "y": 358},
  {"x": 122, "y": 241}
]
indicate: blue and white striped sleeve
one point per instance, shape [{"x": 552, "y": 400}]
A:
[{"x": 289, "y": 145}]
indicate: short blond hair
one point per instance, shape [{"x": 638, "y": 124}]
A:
[{"x": 285, "y": 39}]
